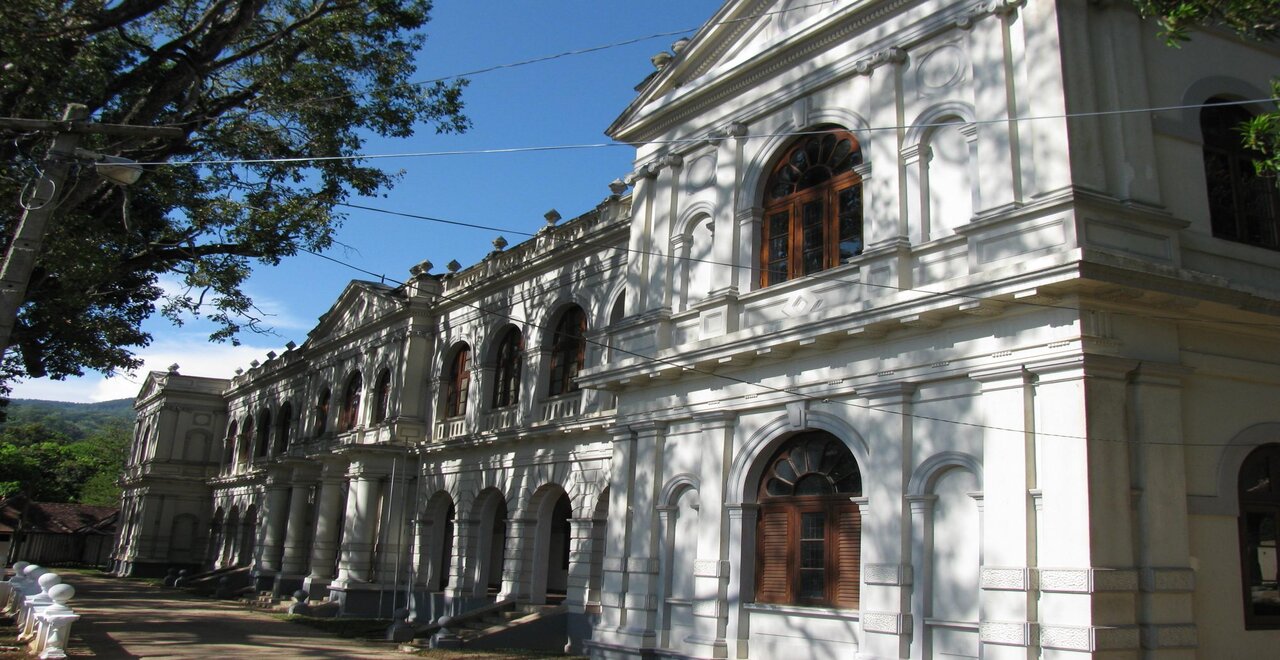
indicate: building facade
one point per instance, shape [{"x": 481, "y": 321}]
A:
[{"x": 915, "y": 333}]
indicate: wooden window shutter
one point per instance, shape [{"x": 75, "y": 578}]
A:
[
  {"x": 772, "y": 582},
  {"x": 848, "y": 541}
]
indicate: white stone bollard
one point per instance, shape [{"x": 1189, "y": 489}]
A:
[
  {"x": 15, "y": 582},
  {"x": 10, "y": 586},
  {"x": 55, "y": 624},
  {"x": 29, "y": 587},
  {"x": 37, "y": 604}
]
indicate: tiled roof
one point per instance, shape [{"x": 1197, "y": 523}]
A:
[{"x": 57, "y": 518}]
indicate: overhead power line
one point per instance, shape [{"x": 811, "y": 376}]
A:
[
  {"x": 814, "y": 276},
  {"x": 771, "y": 389},
  {"x": 678, "y": 141}
]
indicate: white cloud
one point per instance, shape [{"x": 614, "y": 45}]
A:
[{"x": 193, "y": 353}]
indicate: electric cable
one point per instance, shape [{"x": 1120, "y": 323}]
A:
[{"x": 791, "y": 392}]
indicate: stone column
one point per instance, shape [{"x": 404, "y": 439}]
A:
[
  {"x": 640, "y": 244},
  {"x": 711, "y": 569},
  {"x": 728, "y": 238},
  {"x": 640, "y": 601},
  {"x": 742, "y": 519},
  {"x": 1167, "y": 581},
  {"x": 617, "y": 535},
  {"x": 1007, "y": 600},
  {"x": 364, "y": 504},
  {"x": 461, "y": 572},
  {"x": 517, "y": 566},
  {"x": 886, "y": 605},
  {"x": 276, "y": 516},
  {"x": 921, "y": 542},
  {"x": 580, "y": 549},
  {"x": 395, "y": 536},
  {"x": 329, "y": 521},
  {"x": 1088, "y": 584},
  {"x": 297, "y": 539}
]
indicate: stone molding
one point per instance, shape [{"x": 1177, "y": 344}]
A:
[
  {"x": 1088, "y": 638},
  {"x": 708, "y": 608},
  {"x": 896, "y": 575},
  {"x": 1169, "y": 636},
  {"x": 642, "y": 565},
  {"x": 636, "y": 601},
  {"x": 1156, "y": 579},
  {"x": 1088, "y": 580},
  {"x": 715, "y": 568},
  {"x": 1008, "y": 579},
  {"x": 890, "y": 623},
  {"x": 1008, "y": 633}
]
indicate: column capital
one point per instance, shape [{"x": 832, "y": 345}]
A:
[
  {"x": 649, "y": 428},
  {"x": 889, "y": 392},
  {"x": 715, "y": 419},
  {"x": 1161, "y": 374},
  {"x": 1002, "y": 377}
]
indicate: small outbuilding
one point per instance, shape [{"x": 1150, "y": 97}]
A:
[{"x": 54, "y": 534}]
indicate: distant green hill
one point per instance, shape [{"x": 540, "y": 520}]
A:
[{"x": 74, "y": 420}]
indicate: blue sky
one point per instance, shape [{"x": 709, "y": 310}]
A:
[{"x": 569, "y": 100}]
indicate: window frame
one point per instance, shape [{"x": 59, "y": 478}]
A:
[
  {"x": 568, "y": 352},
  {"x": 349, "y": 416},
  {"x": 779, "y": 571},
  {"x": 455, "y": 397},
  {"x": 283, "y": 424},
  {"x": 1265, "y": 504},
  {"x": 1234, "y": 177},
  {"x": 508, "y": 363},
  {"x": 262, "y": 434},
  {"x": 322, "y": 410},
  {"x": 382, "y": 396},
  {"x": 826, "y": 191}
]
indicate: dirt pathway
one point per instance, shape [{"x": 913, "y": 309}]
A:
[{"x": 131, "y": 619}]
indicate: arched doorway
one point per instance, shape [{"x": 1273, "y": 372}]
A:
[
  {"x": 438, "y": 548},
  {"x": 248, "y": 537},
  {"x": 552, "y": 540},
  {"x": 491, "y": 553}
]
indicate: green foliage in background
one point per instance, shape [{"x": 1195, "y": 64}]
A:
[{"x": 65, "y": 452}]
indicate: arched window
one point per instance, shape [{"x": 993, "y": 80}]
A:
[
  {"x": 568, "y": 351},
  {"x": 262, "y": 435},
  {"x": 812, "y": 208},
  {"x": 455, "y": 400},
  {"x": 246, "y": 440},
  {"x": 322, "y": 411},
  {"x": 351, "y": 403},
  {"x": 382, "y": 397},
  {"x": 1243, "y": 206},
  {"x": 809, "y": 533},
  {"x": 229, "y": 450},
  {"x": 510, "y": 356},
  {"x": 1259, "y": 493},
  {"x": 282, "y": 428}
]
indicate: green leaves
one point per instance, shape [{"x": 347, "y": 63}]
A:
[
  {"x": 1254, "y": 19},
  {"x": 246, "y": 80},
  {"x": 1258, "y": 20}
]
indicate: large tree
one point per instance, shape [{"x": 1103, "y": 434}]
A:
[
  {"x": 1254, "y": 19},
  {"x": 244, "y": 80}
]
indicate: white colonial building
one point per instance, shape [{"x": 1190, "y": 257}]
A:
[{"x": 915, "y": 333}]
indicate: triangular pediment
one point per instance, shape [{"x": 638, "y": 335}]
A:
[
  {"x": 360, "y": 304},
  {"x": 152, "y": 385},
  {"x": 740, "y": 32}
]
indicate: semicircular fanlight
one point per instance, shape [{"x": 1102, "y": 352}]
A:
[{"x": 812, "y": 464}]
